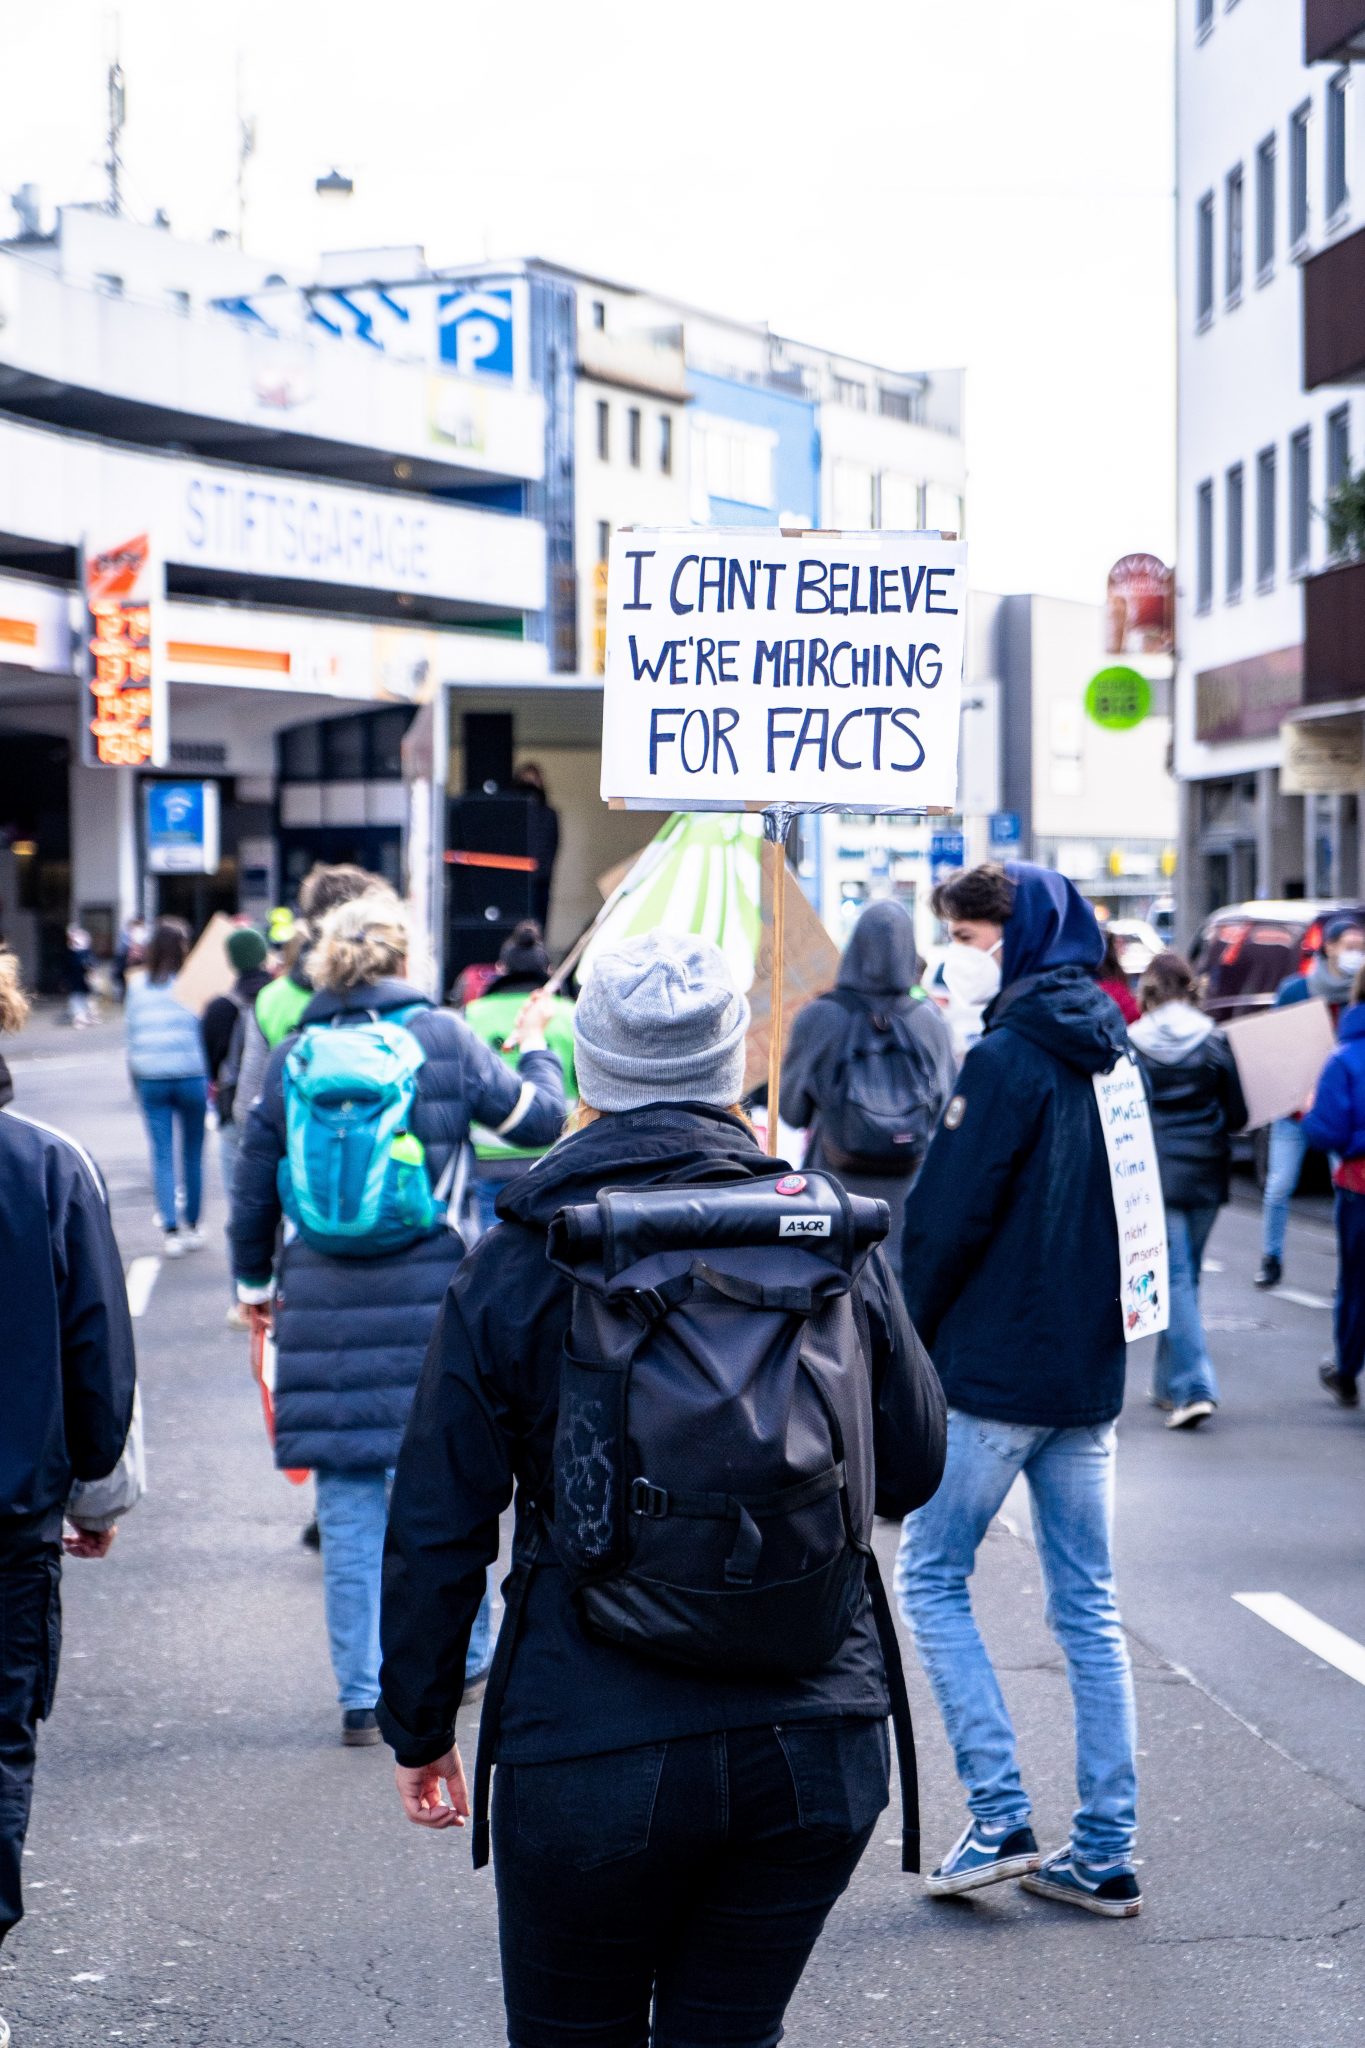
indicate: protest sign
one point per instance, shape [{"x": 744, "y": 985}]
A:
[
  {"x": 207, "y": 972},
  {"x": 1140, "y": 1213},
  {"x": 810, "y": 965},
  {"x": 747, "y": 668},
  {"x": 1280, "y": 1054}
]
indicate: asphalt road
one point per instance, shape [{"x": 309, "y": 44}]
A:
[{"x": 207, "y": 1866}]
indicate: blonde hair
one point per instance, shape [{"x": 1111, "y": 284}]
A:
[
  {"x": 582, "y": 1114},
  {"x": 13, "y": 1001},
  {"x": 360, "y": 943}
]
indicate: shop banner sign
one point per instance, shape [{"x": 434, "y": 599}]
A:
[
  {"x": 746, "y": 668},
  {"x": 1140, "y": 1213}
]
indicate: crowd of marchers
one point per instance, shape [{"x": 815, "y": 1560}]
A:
[{"x": 529, "y": 1253}]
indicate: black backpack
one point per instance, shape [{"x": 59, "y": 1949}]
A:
[
  {"x": 713, "y": 1479},
  {"x": 878, "y": 1115}
]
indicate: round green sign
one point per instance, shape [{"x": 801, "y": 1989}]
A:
[{"x": 1118, "y": 699}]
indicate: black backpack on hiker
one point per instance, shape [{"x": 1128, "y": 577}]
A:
[
  {"x": 878, "y": 1115},
  {"x": 713, "y": 1480}
]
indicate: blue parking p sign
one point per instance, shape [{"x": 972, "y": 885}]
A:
[
  {"x": 475, "y": 328},
  {"x": 947, "y": 853},
  {"x": 1005, "y": 833}
]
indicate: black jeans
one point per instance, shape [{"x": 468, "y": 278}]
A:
[
  {"x": 695, "y": 1875},
  {"x": 30, "y": 1639}
]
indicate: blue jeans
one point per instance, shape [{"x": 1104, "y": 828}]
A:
[
  {"x": 1070, "y": 1475},
  {"x": 1184, "y": 1371},
  {"x": 168, "y": 1106},
  {"x": 1284, "y": 1164},
  {"x": 479, "y": 1655},
  {"x": 353, "y": 1510}
]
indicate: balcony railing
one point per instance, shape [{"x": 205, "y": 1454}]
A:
[
  {"x": 1334, "y": 313},
  {"x": 1333, "y": 31},
  {"x": 1334, "y": 635}
]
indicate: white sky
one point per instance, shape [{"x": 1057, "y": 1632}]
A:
[{"x": 984, "y": 182}]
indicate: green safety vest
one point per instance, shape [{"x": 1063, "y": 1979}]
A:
[
  {"x": 279, "y": 1006},
  {"x": 490, "y": 1018}
]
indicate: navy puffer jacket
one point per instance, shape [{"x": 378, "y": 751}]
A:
[{"x": 351, "y": 1333}]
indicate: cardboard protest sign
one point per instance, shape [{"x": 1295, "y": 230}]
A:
[
  {"x": 810, "y": 964},
  {"x": 746, "y": 668},
  {"x": 1280, "y": 1054},
  {"x": 1140, "y": 1213},
  {"x": 207, "y": 972}
]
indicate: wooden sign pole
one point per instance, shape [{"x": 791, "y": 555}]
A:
[{"x": 776, "y": 825}]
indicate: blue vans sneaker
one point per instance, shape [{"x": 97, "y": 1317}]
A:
[
  {"x": 1112, "y": 1891},
  {"x": 982, "y": 1856}
]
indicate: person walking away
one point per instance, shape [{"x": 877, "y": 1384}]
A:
[
  {"x": 1197, "y": 1105},
  {"x": 1112, "y": 979},
  {"x": 1335, "y": 1122},
  {"x": 662, "y": 1834},
  {"x": 224, "y": 1024},
  {"x": 523, "y": 967},
  {"x": 1012, "y": 1278},
  {"x": 170, "y": 1073},
  {"x": 362, "y": 1113},
  {"x": 78, "y": 965},
  {"x": 870, "y": 1066},
  {"x": 279, "y": 1007},
  {"x": 1327, "y": 979},
  {"x": 68, "y": 1387},
  {"x": 544, "y": 837}
]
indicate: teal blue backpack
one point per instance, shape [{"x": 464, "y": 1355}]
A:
[{"x": 353, "y": 1179}]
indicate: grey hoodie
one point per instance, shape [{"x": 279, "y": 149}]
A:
[{"x": 1171, "y": 1033}]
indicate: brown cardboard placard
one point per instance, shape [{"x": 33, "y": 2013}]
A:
[{"x": 1280, "y": 1055}]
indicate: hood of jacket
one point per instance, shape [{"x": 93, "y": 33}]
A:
[
  {"x": 379, "y": 996},
  {"x": 1067, "y": 1014},
  {"x": 637, "y": 1146},
  {"x": 1051, "y": 925},
  {"x": 1171, "y": 1033},
  {"x": 881, "y": 956}
]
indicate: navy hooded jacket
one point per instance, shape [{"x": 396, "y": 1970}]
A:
[
  {"x": 1010, "y": 1257},
  {"x": 1336, "y": 1122}
]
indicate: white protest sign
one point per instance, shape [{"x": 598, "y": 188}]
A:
[
  {"x": 748, "y": 667},
  {"x": 1140, "y": 1213}
]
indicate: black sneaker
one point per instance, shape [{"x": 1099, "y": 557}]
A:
[
  {"x": 1340, "y": 1386},
  {"x": 311, "y": 1537},
  {"x": 1271, "y": 1273},
  {"x": 1116, "y": 1895},
  {"x": 359, "y": 1728}
]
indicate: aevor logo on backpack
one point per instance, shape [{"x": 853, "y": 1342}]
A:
[{"x": 804, "y": 1226}]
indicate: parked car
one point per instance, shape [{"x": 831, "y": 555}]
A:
[{"x": 1244, "y": 951}]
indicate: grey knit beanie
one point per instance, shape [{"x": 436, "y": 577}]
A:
[{"x": 660, "y": 1020}]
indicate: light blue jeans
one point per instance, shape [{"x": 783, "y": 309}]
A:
[
  {"x": 353, "y": 1511},
  {"x": 1284, "y": 1163},
  {"x": 171, "y": 1106},
  {"x": 1070, "y": 1475},
  {"x": 1184, "y": 1371}
]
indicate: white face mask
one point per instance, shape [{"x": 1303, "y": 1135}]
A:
[
  {"x": 1350, "y": 960},
  {"x": 971, "y": 975}
]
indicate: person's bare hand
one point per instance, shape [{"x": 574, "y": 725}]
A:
[
  {"x": 88, "y": 1542},
  {"x": 420, "y": 1792},
  {"x": 528, "y": 1033}
]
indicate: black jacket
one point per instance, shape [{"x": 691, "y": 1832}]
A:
[
  {"x": 351, "y": 1333},
  {"x": 222, "y": 1016},
  {"x": 1010, "y": 1258},
  {"x": 1197, "y": 1103},
  {"x": 67, "y": 1369},
  {"x": 484, "y": 1420}
]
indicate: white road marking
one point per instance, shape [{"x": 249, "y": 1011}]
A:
[
  {"x": 1296, "y": 1622},
  {"x": 1299, "y": 1298},
  {"x": 141, "y": 1279}
]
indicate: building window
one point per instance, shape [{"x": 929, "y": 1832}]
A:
[
  {"x": 1298, "y": 174},
  {"x": 1338, "y": 447},
  {"x": 1235, "y": 508},
  {"x": 1235, "y": 192},
  {"x": 1265, "y": 519},
  {"x": 109, "y": 284},
  {"x": 1203, "y": 540},
  {"x": 1336, "y": 192},
  {"x": 1265, "y": 209},
  {"x": 895, "y": 405},
  {"x": 900, "y": 496},
  {"x": 665, "y": 444},
  {"x": 603, "y": 539},
  {"x": 1300, "y": 498},
  {"x": 603, "y": 431},
  {"x": 737, "y": 462},
  {"x": 848, "y": 391},
  {"x": 1203, "y": 19},
  {"x": 633, "y": 436},
  {"x": 851, "y": 502},
  {"x": 1204, "y": 257},
  {"x": 599, "y": 314}
]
